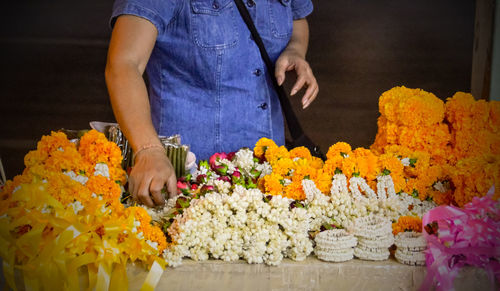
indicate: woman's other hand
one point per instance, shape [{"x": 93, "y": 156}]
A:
[{"x": 294, "y": 58}]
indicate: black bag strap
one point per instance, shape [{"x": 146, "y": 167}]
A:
[{"x": 294, "y": 126}]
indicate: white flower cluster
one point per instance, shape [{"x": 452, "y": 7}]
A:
[
  {"x": 337, "y": 208},
  {"x": 374, "y": 234},
  {"x": 242, "y": 225},
  {"x": 410, "y": 248},
  {"x": 413, "y": 206},
  {"x": 384, "y": 203},
  {"x": 335, "y": 245}
]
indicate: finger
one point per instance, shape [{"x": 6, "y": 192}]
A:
[
  {"x": 307, "y": 95},
  {"x": 281, "y": 67},
  {"x": 143, "y": 193},
  {"x": 301, "y": 80},
  {"x": 155, "y": 189},
  {"x": 311, "y": 99},
  {"x": 132, "y": 186},
  {"x": 172, "y": 186}
]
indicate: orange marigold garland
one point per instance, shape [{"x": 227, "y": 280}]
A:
[{"x": 447, "y": 148}]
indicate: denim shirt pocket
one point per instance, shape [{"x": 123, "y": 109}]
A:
[
  {"x": 213, "y": 23},
  {"x": 281, "y": 18}
]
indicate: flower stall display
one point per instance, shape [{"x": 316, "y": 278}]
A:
[
  {"x": 239, "y": 206},
  {"x": 69, "y": 210}
]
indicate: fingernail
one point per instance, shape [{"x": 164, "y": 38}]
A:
[
  {"x": 280, "y": 80},
  {"x": 293, "y": 92}
]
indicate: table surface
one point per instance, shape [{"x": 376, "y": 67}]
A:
[{"x": 310, "y": 274}]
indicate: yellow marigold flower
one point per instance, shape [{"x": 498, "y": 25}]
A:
[
  {"x": 300, "y": 152},
  {"x": 349, "y": 166},
  {"x": 323, "y": 181},
  {"x": 339, "y": 149},
  {"x": 262, "y": 145},
  {"x": 273, "y": 184},
  {"x": 283, "y": 166},
  {"x": 407, "y": 223},
  {"x": 275, "y": 153}
]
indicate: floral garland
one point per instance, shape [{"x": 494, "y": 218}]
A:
[
  {"x": 449, "y": 150},
  {"x": 64, "y": 212},
  {"x": 238, "y": 205}
]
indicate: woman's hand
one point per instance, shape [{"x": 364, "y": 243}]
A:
[
  {"x": 151, "y": 172},
  {"x": 294, "y": 58}
]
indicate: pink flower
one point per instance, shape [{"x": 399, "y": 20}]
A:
[
  {"x": 231, "y": 156},
  {"x": 224, "y": 178},
  {"x": 216, "y": 157}
]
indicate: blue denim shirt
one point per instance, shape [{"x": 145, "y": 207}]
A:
[{"x": 207, "y": 80}]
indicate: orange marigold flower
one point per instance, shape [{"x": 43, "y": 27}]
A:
[
  {"x": 273, "y": 154},
  {"x": 262, "y": 145},
  {"x": 95, "y": 148},
  {"x": 411, "y": 107},
  {"x": 339, "y": 149},
  {"x": 101, "y": 185},
  {"x": 300, "y": 152},
  {"x": 295, "y": 191},
  {"x": 407, "y": 223}
]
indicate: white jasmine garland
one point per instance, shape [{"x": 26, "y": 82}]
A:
[
  {"x": 405, "y": 162},
  {"x": 101, "y": 169},
  {"x": 78, "y": 178},
  {"x": 240, "y": 226},
  {"x": 358, "y": 186},
  {"x": 244, "y": 160},
  {"x": 385, "y": 187}
]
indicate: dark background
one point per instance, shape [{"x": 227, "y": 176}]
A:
[{"x": 53, "y": 53}]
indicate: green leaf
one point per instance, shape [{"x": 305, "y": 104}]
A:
[
  {"x": 414, "y": 193},
  {"x": 338, "y": 171},
  {"x": 356, "y": 174},
  {"x": 385, "y": 172},
  {"x": 413, "y": 162}
]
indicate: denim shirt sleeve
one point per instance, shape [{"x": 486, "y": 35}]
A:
[
  {"x": 301, "y": 8},
  {"x": 158, "y": 12}
]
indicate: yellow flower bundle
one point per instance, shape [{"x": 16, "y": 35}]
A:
[{"x": 63, "y": 213}]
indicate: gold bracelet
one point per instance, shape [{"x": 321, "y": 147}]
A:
[{"x": 147, "y": 147}]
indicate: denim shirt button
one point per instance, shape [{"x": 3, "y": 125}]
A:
[
  {"x": 257, "y": 72},
  {"x": 215, "y": 5},
  {"x": 263, "y": 106},
  {"x": 251, "y": 3}
]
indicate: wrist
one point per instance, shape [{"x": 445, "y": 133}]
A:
[{"x": 148, "y": 148}]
